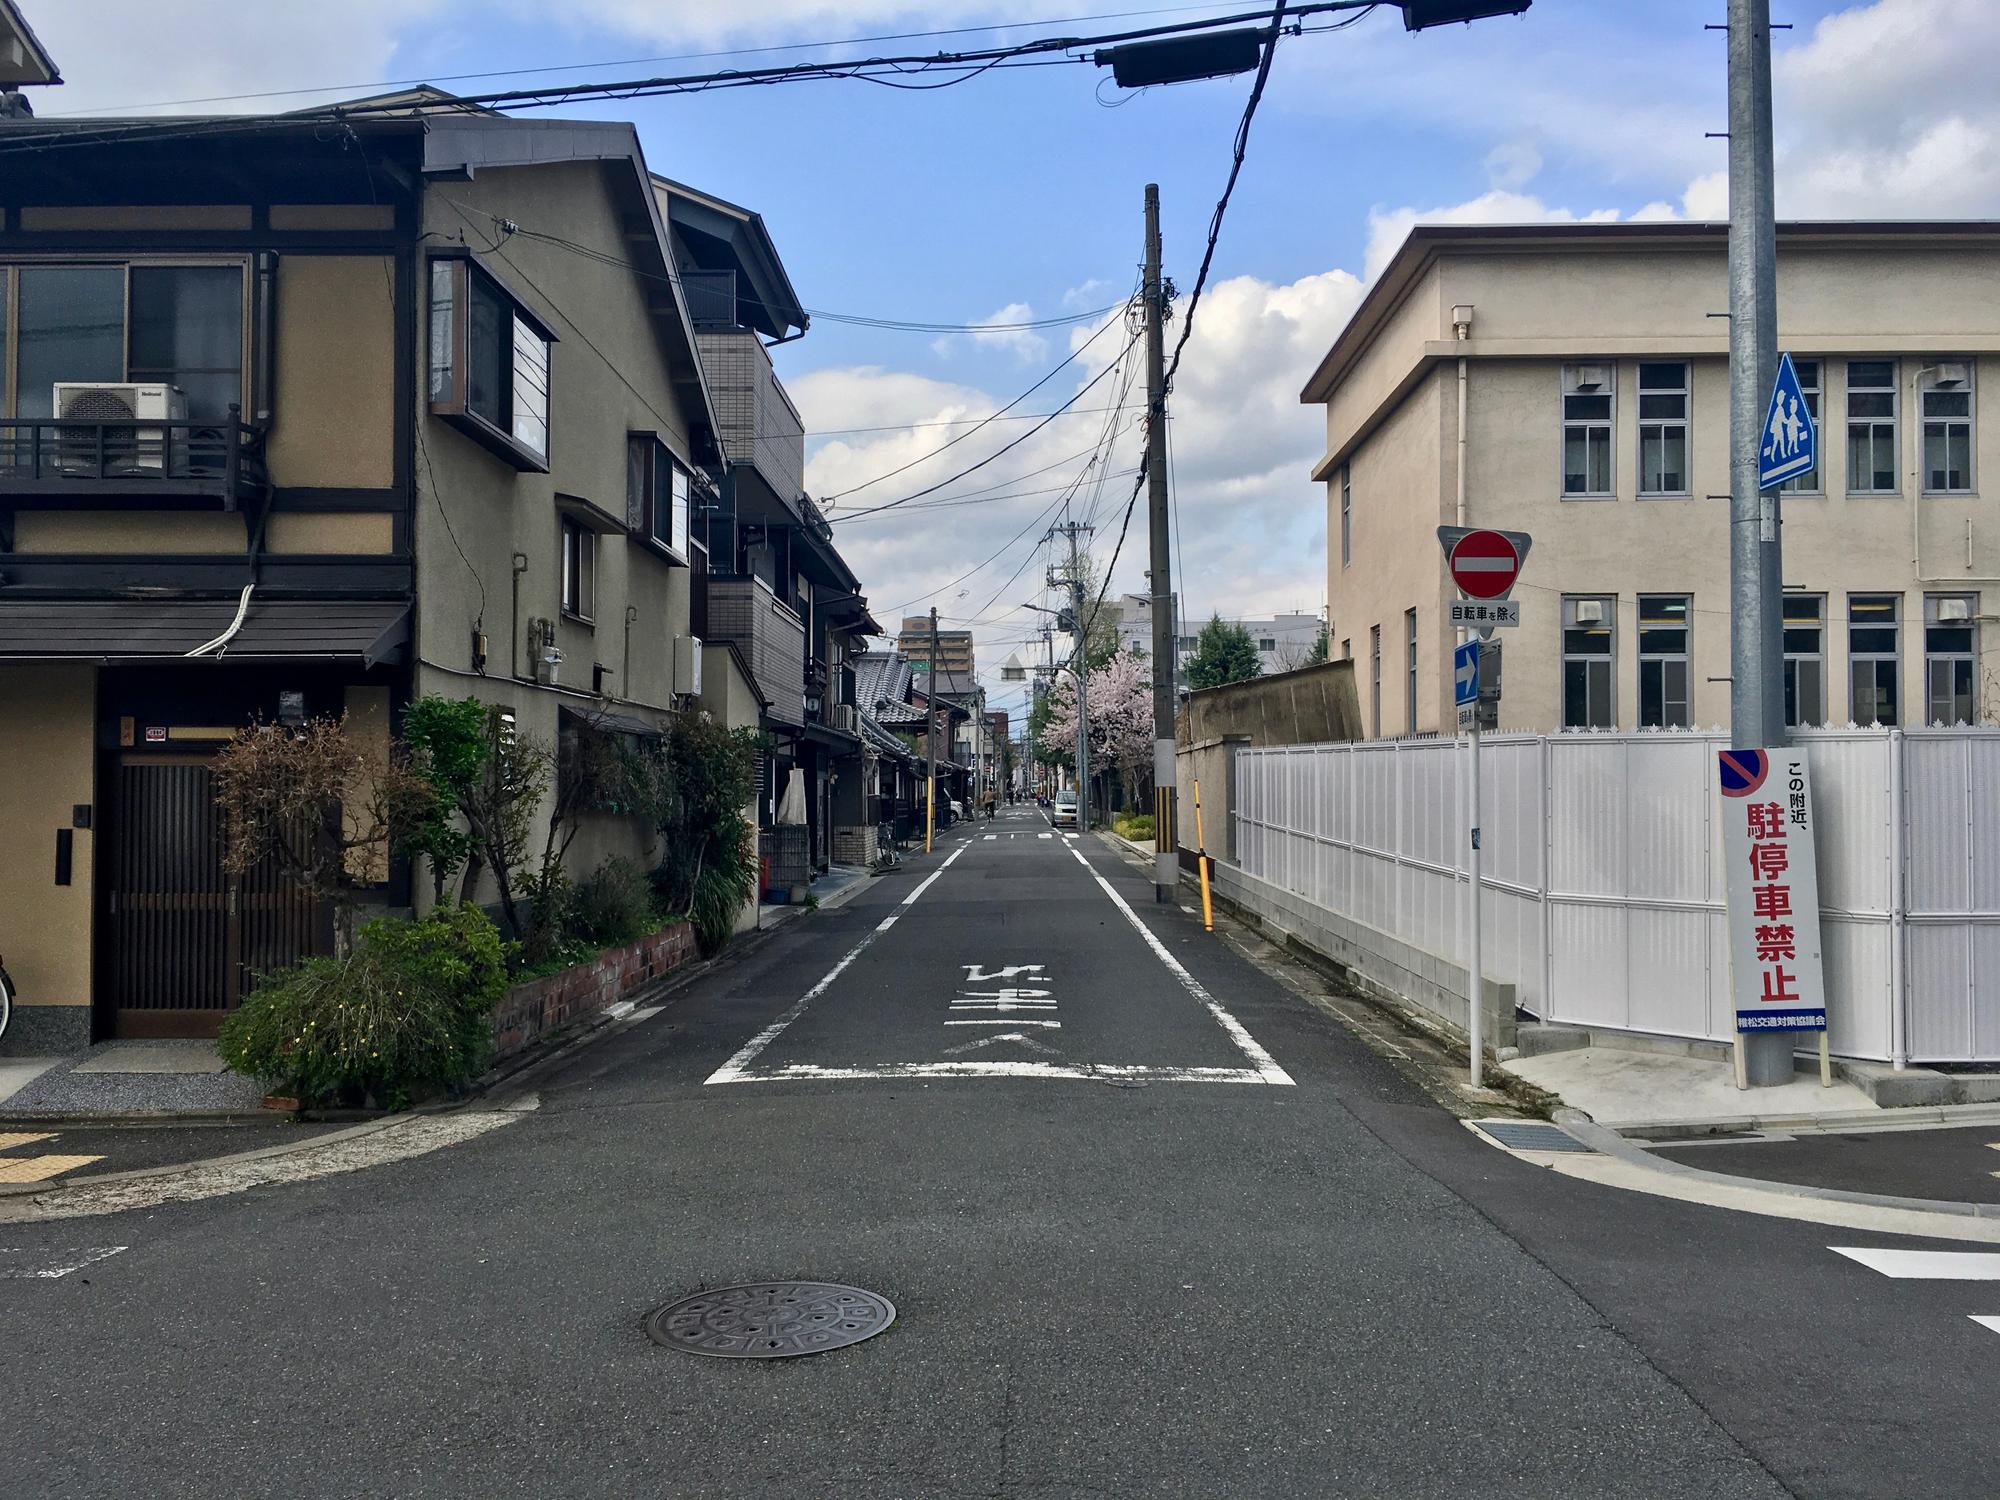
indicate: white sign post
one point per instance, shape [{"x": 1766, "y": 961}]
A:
[
  {"x": 1776, "y": 977},
  {"x": 1483, "y": 564}
]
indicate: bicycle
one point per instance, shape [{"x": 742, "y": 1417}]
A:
[{"x": 6, "y": 999}]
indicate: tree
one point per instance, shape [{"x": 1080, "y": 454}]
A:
[
  {"x": 320, "y": 804},
  {"x": 1224, "y": 652},
  {"x": 1121, "y": 718},
  {"x": 449, "y": 748},
  {"x": 1311, "y": 656}
]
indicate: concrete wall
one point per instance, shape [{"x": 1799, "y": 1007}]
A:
[
  {"x": 1309, "y": 706},
  {"x": 46, "y": 749},
  {"x": 1535, "y": 309}
]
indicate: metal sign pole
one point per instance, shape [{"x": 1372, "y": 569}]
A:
[{"x": 1475, "y": 996}]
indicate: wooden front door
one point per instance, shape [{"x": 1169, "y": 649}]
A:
[{"x": 183, "y": 938}]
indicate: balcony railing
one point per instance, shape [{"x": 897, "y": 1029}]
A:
[
  {"x": 52, "y": 458},
  {"x": 744, "y": 612}
]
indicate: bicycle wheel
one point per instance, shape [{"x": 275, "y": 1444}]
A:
[{"x": 6, "y": 1001}]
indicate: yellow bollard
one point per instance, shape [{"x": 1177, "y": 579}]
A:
[
  {"x": 930, "y": 812},
  {"x": 1201, "y": 863}
]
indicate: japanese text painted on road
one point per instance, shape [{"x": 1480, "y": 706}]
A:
[{"x": 1773, "y": 885}]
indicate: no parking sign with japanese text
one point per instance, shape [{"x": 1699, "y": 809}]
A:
[{"x": 1773, "y": 885}]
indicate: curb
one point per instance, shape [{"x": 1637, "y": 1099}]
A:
[
  {"x": 1901, "y": 1117},
  {"x": 1609, "y": 1142}
]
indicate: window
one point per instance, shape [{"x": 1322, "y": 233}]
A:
[
  {"x": 1588, "y": 658},
  {"x": 489, "y": 363},
  {"x": 579, "y": 570},
  {"x": 1871, "y": 427},
  {"x": 1267, "y": 643},
  {"x": 1874, "y": 631},
  {"x": 147, "y": 324},
  {"x": 1587, "y": 396},
  {"x": 1949, "y": 697},
  {"x": 1347, "y": 649},
  {"x": 1346, "y": 518},
  {"x": 1807, "y": 483},
  {"x": 1410, "y": 668},
  {"x": 657, "y": 494},
  {"x": 1664, "y": 622},
  {"x": 1375, "y": 677},
  {"x": 1805, "y": 659},
  {"x": 1947, "y": 416},
  {"x": 1663, "y": 429}
]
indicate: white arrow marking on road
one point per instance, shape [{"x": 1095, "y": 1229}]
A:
[
  {"x": 1927, "y": 1265},
  {"x": 1000, "y": 1036},
  {"x": 976, "y": 973}
]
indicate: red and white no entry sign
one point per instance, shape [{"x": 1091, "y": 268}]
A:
[{"x": 1484, "y": 564}]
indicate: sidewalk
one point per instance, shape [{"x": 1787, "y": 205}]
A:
[{"x": 127, "y": 1079}]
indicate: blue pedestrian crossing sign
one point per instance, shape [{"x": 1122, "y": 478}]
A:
[
  {"x": 1465, "y": 673},
  {"x": 1789, "y": 445}
]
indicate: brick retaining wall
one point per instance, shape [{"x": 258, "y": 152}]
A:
[{"x": 543, "y": 1006}]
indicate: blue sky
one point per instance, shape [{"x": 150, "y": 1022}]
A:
[{"x": 1022, "y": 191}]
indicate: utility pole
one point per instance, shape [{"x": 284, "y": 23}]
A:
[
  {"x": 930, "y": 742},
  {"x": 1079, "y": 669},
  {"x": 1756, "y": 576},
  {"x": 1165, "y": 875}
]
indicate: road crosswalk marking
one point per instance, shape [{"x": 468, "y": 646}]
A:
[{"x": 1927, "y": 1265}]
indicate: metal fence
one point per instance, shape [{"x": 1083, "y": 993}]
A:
[{"x": 1603, "y": 877}]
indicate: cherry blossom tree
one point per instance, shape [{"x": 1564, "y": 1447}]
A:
[{"x": 1121, "y": 718}]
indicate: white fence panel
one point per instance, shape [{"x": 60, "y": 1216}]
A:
[{"x": 1602, "y": 856}]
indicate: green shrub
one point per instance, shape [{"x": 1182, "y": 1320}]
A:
[
  {"x": 406, "y": 1013},
  {"x": 613, "y": 904},
  {"x": 1134, "y": 826},
  {"x": 723, "y": 887}
]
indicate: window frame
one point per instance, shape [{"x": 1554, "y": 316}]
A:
[
  {"x": 1813, "y": 481},
  {"x": 1795, "y": 718},
  {"x": 1665, "y": 659},
  {"x": 1893, "y": 656},
  {"x": 1968, "y": 657},
  {"x": 1346, "y": 517},
  {"x": 1410, "y": 668},
  {"x": 456, "y": 271},
  {"x": 576, "y": 550},
  {"x": 1970, "y": 422},
  {"x": 10, "y": 314},
  {"x": 1565, "y": 623},
  {"x": 642, "y": 511},
  {"x": 1567, "y": 424},
  {"x": 1894, "y": 390},
  {"x": 1661, "y": 425},
  {"x": 1375, "y": 689}
]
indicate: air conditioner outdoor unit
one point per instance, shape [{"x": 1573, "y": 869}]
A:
[
  {"x": 125, "y": 450},
  {"x": 847, "y": 718},
  {"x": 687, "y": 664}
]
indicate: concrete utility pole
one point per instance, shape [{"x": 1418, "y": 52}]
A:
[
  {"x": 1080, "y": 669},
  {"x": 1756, "y": 574},
  {"x": 930, "y": 742},
  {"x": 1165, "y": 875}
]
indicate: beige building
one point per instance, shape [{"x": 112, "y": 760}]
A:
[{"x": 1572, "y": 381}]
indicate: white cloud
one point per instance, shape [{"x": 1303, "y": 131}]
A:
[
  {"x": 1389, "y": 227},
  {"x": 1025, "y": 344},
  {"x": 1512, "y": 164},
  {"x": 708, "y": 23},
  {"x": 115, "y": 54}
]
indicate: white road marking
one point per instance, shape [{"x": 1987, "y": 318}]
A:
[
  {"x": 999, "y": 1004},
  {"x": 976, "y": 973},
  {"x": 1190, "y": 910},
  {"x": 1051, "y": 835},
  {"x": 1927, "y": 1265},
  {"x": 1986, "y": 1320},
  {"x": 794, "y": 1072},
  {"x": 1267, "y": 1066},
  {"x": 1021, "y": 1037},
  {"x": 990, "y": 837},
  {"x": 732, "y": 1071},
  {"x": 47, "y": 1265},
  {"x": 1017, "y": 1021}
]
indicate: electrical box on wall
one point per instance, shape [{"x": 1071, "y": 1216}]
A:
[{"x": 687, "y": 665}]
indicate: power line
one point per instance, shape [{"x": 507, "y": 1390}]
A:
[{"x": 1022, "y": 416}]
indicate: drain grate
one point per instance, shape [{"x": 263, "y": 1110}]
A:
[
  {"x": 1531, "y": 1135},
  {"x": 771, "y": 1320}
]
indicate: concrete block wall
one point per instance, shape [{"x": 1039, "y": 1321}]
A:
[
  {"x": 1373, "y": 960},
  {"x": 854, "y": 845},
  {"x": 544, "y": 1006}
]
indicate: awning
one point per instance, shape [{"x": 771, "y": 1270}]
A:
[{"x": 156, "y": 630}]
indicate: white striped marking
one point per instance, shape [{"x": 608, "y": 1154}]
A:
[
  {"x": 732, "y": 1071},
  {"x": 1045, "y": 835},
  {"x": 1986, "y": 1320},
  {"x": 990, "y": 837},
  {"x": 48, "y": 1265},
  {"x": 1266, "y": 1066},
  {"x": 1927, "y": 1265}
]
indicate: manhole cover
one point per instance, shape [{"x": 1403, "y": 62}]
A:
[
  {"x": 771, "y": 1319},
  {"x": 1531, "y": 1135}
]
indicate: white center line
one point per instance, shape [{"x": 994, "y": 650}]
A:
[{"x": 733, "y": 1070}]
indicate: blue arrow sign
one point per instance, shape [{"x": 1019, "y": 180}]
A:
[
  {"x": 1465, "y": 673},
  {"x": 1789, "y": 445}
]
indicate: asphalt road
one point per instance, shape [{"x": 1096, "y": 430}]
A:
[
  {"x": 1185, "y": 1237},
  {"x": 1956, "y": 1165}
]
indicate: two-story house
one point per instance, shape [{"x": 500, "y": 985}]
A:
[
  {"x": 309, "y": 416},
  {"x": 1572, "y": 381},
  {"x": 780, "y": 598}
]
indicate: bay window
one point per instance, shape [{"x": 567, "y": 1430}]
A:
[{"x": 489, "y": 363}]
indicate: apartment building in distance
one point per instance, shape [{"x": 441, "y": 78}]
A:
[
  {"x": 1572, "y": 381},
  {"x": 954, "y": 647},
  {"x": 1284, "y": 641}
]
